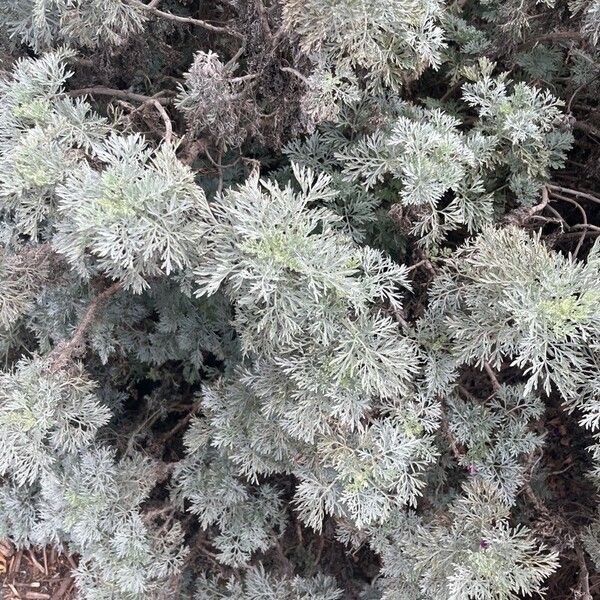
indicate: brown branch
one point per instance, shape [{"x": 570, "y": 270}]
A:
[
  {"x": 566, "y": 236},
  {"x": 241, "y": 78},
  {"x": 295, "y": 73},
  {"x": 181, "y": 424},
  {"x": 192, "y": 149},
  {"x": 165, "y": 117},
  {"x": 262, "y": 17},
  {"x": 537, "y": 503},
  {"x": 584, "y": 575},
  {"x": 219, "y": 168},
  {"x": 151, "y": 8},
  {"x": 565, "y": 190},
  {"x": 583, "y": 216},
  {"x": 577, "y": 90},
  {"x": 521, "y": 215},
  {"x": 164, "y": 470},
  {"x": 233, "y": 60},
  {"x": 493, "y": 379},
  {"x": 552, "y": 36},
  {"x": 168, "y": 124},
  {"x": 65, "y": 351},
  {"x": 457, "y": 452},
  {"x": 588, "y": 226},
  {"x": 423, "y": 262},
  {"x": 559, "y": 218},
  {"x": 122, "y": 94},
  {"x": 467, "y": 394},
  {"x": 559, "y": 36}
]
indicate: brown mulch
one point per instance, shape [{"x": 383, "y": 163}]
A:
[{"x": 36, "y": 574}]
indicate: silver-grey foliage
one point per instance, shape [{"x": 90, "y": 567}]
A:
[{"x": 262, "y": 339}]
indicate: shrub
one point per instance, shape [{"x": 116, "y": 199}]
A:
[{"x": 300, "y": 299}]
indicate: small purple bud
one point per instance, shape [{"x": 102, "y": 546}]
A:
[
  {"x": 484, "y": 545},
  {"x": 472, "y": 470}
]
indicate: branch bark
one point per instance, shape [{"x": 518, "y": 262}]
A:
[
  {"x": 122, "y": 94},
  {"x": 67, "y": 350},
  {"x": 151, "y": 8}
]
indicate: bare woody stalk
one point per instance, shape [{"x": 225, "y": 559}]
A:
[
  {"x": 151, "y": 8},
  {"x": 64, "y": 353},
  {"x": 122, "y": 94}
]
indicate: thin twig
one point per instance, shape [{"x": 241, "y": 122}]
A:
[
  {"x": 539, "y": 505},
  {"x": 319, "y": 552},
  {"x": 584, "y": 575},
  {"x": 588, "y": 226},
  {"x": 295, "y": 73},
  {"x": 553, "y": 36},
  {"x": 262, "y": 16},
  {"x": 521, "y": 215},
  {"x": 219, "y": 168},
  {"x": 450, "y": 91},
  {"x": 233, "y": 60},
  {"x": 64, "y": 352},
  {"x": 577, "y": 90},
  {"x": 584, "y": 216},
  {"x": 165, "y": 117},
  {"x": 187, "y": 20},
  {"x": 545, "y": 199},
  {"x": 569, "y": 235},
  {"x": 182, "y": 424},
  {"x": 417, "y": 265},
  {"x": 494, "y": 380},
  {"x": 123, "y": 94},
  {"x": 452, "y": 443},
  {"x": 241, "y": 78},
  {"x": 467, "y": 394},
  {"x": 559, "y": 217},
  {"x": 145, "y": 424},
  {"x": 572, "y": 192}
]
